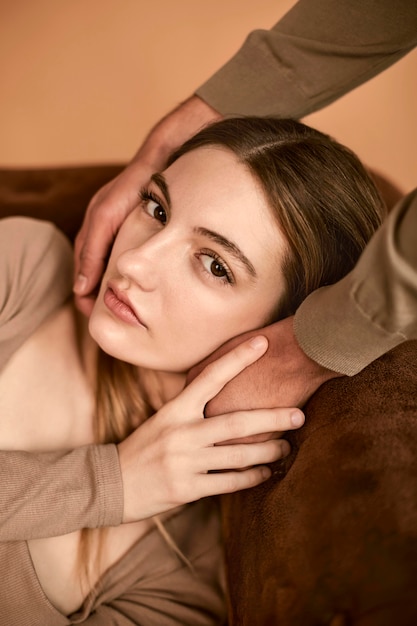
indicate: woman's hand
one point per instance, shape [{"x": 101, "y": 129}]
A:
[{"x": 175, "y": 456}]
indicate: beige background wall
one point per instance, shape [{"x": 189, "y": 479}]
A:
[{"x": 83, "y": 80}]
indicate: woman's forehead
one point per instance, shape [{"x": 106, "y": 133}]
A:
[
  {"x": 213, "y": 176},
  {"x": 214, "y": 190}
]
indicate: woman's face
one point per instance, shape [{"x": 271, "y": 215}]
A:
[{"x": 195, "y": 264}]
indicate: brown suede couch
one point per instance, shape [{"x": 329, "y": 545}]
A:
[{"x": 331, "y": 539}]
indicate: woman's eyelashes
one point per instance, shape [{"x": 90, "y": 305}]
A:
[
  {"x": 214, "y": 265},
  {"x": 153, "y": 206},
  {"x": 211, "y": 262}
]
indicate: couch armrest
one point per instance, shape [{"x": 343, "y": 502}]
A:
[{"x": 331, "y": 538}]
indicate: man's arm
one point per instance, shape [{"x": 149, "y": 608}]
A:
[
  {"x": 346, "y": 326},
  {"x": 319, "y": 51}
]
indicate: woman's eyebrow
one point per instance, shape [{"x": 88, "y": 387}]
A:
[
  {"x": 229, "y": 246},
  {"x": 160, "y": 182}
]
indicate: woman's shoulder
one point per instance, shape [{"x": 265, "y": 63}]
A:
[
  {"x": 35, "y": 256},
  {"x": 35, "y": 277},
  {"x": 23, "y": 238}
]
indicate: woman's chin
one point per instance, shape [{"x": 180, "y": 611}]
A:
[{"x": 105, "y": 337}]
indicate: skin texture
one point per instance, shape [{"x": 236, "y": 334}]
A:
[{"x": 176, "y": 450}]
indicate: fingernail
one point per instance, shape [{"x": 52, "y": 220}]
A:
[
  {"x": 258, "y": 342},
  {"x": 80, "y": 284},
  {"x": 285, "y": 448},
  {"x": 297, "y": 418},
  {"x": 266, "y": 473}
]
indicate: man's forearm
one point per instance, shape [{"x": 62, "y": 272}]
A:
[{"x": 320, "y": 50}]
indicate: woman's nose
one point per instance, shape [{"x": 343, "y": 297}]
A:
[{"x": 143, "y": 264}]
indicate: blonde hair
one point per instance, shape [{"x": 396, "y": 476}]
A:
[{"x": 121, "y": 406}]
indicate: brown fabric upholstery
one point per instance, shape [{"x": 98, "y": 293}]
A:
[
  {"x": 331, "y": 539},
  {"x": 60, "y": 194}
]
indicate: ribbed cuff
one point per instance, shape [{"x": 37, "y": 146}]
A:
[
  {"x": 332, "y": 330},
  {"x": 109, "y": 485}
]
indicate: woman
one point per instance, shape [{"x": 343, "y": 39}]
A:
[{"x": 248, "y": 217}]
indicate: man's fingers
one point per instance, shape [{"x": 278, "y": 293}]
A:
[
  {"x": 85, "y": 304},
  {"x": 216, "y": 375},
  {"x": 107, "y": 210},
  {"x": 91, "y": 254}
]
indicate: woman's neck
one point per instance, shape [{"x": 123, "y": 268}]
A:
[{"x": 160, "y": 387}]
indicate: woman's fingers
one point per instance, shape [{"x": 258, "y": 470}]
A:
[
  {"x": 240, "y": 456},
  {"x": 169, "y": 462},
  {"x": 229, "y": 482},
  {"x": 216, "y": 375},
  {"x": 244, "y": 424}
]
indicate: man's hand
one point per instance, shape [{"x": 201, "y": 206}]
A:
[
  {"x": 111, "y": 204},
  {"x": 284, "y": 376},
  {"x": 106, "y": 212}
]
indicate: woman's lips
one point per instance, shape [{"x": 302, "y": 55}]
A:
[{"x": 120, "y": 306}]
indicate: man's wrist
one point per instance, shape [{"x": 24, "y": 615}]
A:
[{"x": 173, "y": 129}]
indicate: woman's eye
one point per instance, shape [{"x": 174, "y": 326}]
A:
[
  {"x": 215, "y": 267},
  {"x": 155, "y": 210}
]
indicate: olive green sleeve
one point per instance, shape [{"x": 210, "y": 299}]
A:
[
  {"x": 374, "y": 308},
  {"x": 318, "y": 51}
]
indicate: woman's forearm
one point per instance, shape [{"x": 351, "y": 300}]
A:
[{"x": 54, "y": 493}]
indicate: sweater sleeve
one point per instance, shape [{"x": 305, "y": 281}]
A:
[
  {"x": 54, "y": 493},
  {"x": 46, "y": 494},
  {"x": 373, "y": 309},
  {"x": 320, "y": 50}
]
